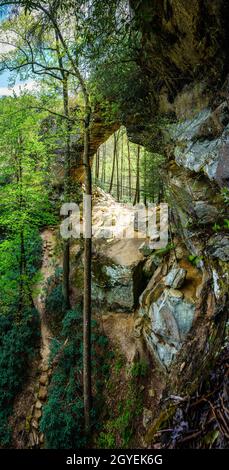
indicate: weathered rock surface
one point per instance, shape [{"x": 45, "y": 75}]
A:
[
  {"x": 171, "y": 319},
  {"x": 147, "y": 417},
  {"x": 117, "y": 265},
  {"x": 185, "y": 115},
  {"x": 218, "y": 247},
  {"x": 42, "y": 394},
  {"x": 167, "y": 310},
  {"x": 191, "y": 126},
  {"x": 175, "y": 277},
  {"x": 199, "y": 147}
]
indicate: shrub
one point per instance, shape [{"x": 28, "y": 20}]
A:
[
  {"x": 54, "y": 304},
  {"x": 17, "y": 342},
  {"x": 225, "y": 195},
  {"x": 63, "y": 416},
  {"x": 54, "y": 307},
  {"x": 139, "y": 369}
]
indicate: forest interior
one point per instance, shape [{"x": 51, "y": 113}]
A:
[{"x": 114, "y": 224}]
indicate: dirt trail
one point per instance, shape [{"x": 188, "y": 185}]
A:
[
  {"x": 28, "y": 404},
  {"x": 47, "y": 270},
  {"x": 36, "y": 439}
]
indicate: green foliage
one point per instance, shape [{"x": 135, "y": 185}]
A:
[
  {"x": 119, "y": 364},
  {"x": 139, "y": 369},
  {"x": 54, "y": 303},
  {"x": 124, "y": 405},
  {"x": 195, "y": 260},
  {"x": 62, "y": 420},
  {"x": 24, "y": 166},
  {"x": 216, "y": 227},
  {"x": 106, "y": 440},
  {"x": 226, "y": 224},
  {"x": 164, "y": 251},
  {"x": 9, "y": 268},
  {"x": 125, "y": 169},
  {"x": 24, "y": 209},
  {"x": 225, "y": 195},
  {"x": 17, "y": 347},
  {"x": 119, "y": 430},
  {"x": 128, "y": 410}
]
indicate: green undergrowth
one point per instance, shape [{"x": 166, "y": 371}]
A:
[
  {"x": 19, "y": 328},
  {"x": 54, "y": 302},
  {"x": 17, "y": 349},
  {"x": 63, "y": 419},
  {"x": 124, "y": 404}
]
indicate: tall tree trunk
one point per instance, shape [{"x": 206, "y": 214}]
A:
[
  {"x": 137, "y": 189},
  {"x": 97, "y": 165},
  {"x": 129, "y": 168},
  {"x": 117, "y": 172},
  {"x": 67, "y": 197},
  {"x": 104, "y": 164},
  {"x": 67, "y": 177},
  {"x": 160, "y": 192},
  {"x": 145, "y": 188},
  {"x": 87, "y": 245},
  {"x": 87, "y": 272},
  {"x": 122, "y": 176},
  {"x": 113, "y": 164}
]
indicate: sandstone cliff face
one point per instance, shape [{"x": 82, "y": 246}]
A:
[
  {"x": 185, "y": 57},
  {"x": 183, "y": 309}
]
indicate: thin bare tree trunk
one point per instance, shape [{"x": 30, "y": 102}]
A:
[
  {"x": 67, "y": 197},
  {"x": 87, "y": 391},
  {"x": 129, "y": 168},
  {"x": 88, "y": 189},
  {"x": 103, "y": 163},
  {"x": 117, "y": 172},
  {"x": 137, "y": 189},
  {"x": 145, "y": 189},
  {"x": 67, "y": 167},
  {"x": 122, "y": 176},
  {"x": 97, "y": 165},
  {"x": 113, "y": 164},
  {"x": 98, "y": 169},
  {"x": 67, "y": 174}
]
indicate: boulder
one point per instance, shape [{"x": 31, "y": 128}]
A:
[
  {"x": 199, "y": 147},
  {"x": 218, "y": 247},
  {"x": 37, "y": 414},
  {"x": 42, "y": 394},
  {"x": 175, "y": 278},
  {"x": 206, "y": 213},
  {"x": 116, "y": 286},
  {"x": 38, "y": 405},
  {"x": 34, "y": 423},
  {"x": 117, "y": 265},
  {"x": 171, "y": 318},
  {"x": 43, "y": 378}
]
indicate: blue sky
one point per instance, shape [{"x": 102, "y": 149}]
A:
[
  {"x": 4, "y": 76},
  {"x": 4, "y": 79},
  {"x": 4, "y": 85}
]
